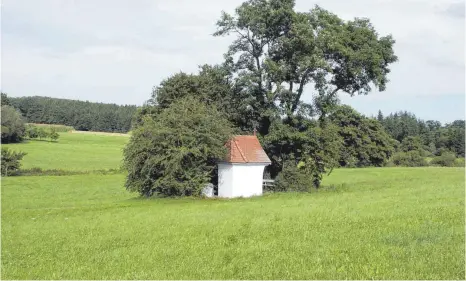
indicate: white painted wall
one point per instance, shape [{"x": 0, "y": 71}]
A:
[
  {"x": 225, "y": 180},
  {"x": 240, "y": 180}
]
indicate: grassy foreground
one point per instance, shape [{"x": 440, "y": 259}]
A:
[{"x": 387, "y": 223}]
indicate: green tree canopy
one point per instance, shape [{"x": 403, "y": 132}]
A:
[
  {"x": 12, "y": 125},
  {"x": 5, "y": 100},
  {"x": 175, "y": 151},
  {"x": 278, "y": 51},
  {"x": 365, "y": 141},
  {"x": 10, "y": 161},
  {"x": 456, "y": 134},
  {"x": 411, "y": 143}
]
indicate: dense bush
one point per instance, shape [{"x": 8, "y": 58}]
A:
[
  {"x": 408, "y": 159},
  {"x": 447, "y": 159},
  {"x": 459, "y": 162},
  {"x": 315, "y": 145},
  {"x": 411, "y": 143},
  {"x": 41, "y": 132},
  {"x": 292, "y": 178},
  {"x": 175, "y": 152},
  {"x": 12, "y": 125},
  {"x": 54, "y": 135},
  {"x": 11, "y": 162},
  {"x": 365, "y": 142}
]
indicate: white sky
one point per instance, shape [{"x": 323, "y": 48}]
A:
[{"x": 116, "y": 51}]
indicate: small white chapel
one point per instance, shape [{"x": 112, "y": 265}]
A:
[{"x": 241, "y": 173}]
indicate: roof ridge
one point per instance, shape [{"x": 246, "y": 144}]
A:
[{"x": 240, "y": 151}]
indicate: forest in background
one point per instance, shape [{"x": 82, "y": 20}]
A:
[
  {"x": 403, "y": 127},
  {"x": 367, "y": 141},
  {"x": 81, "y": 115}
]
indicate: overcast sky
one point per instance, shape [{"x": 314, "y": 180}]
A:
[{"x": 116, "y": 51}]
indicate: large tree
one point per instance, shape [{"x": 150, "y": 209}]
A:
[
  {"x": 4, "y": 99},
  {"x": 456, "y": 134},
  {"x": 303, "y": 142},
  {"x": 12, "y": 125},
  {"x": 278, "y": 51},
  {"x": 365, "y": 142},
  {"x": 175, "y": 151}
]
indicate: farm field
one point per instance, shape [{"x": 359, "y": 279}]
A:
[{"x": 375, "y": 223}]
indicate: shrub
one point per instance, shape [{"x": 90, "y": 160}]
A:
[
  {"x": 11, "y": 162},
  {"x": 31, "y": 132},
  {"x": 292, "y": 178},
  {"x": 53, "y": 134},
  {"x": 390, "y": 164},
  {"x": 12, "y": 125},
  {"x": 408, "y": 159},
  {"x": 441, "y": 151},
  {"x": 459, "y": 162},
  {"x": 175, "y": 152},
  {"x": 42, "y": 133},
  {"x": 447, "y": 159},
  {"x": 34, "y": 131}
]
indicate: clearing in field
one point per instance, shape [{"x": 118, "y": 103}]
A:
[{"x": 381, "y": 223}]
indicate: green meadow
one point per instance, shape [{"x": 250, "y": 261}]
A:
[
  {"x": 374, "y": 223},
  {"x": 73, "y": 152}
]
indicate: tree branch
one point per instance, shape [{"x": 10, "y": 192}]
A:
[
  {"x": 254, "y": 54},
  {"x": 300, "y": 90},
  {"x": 334, "y": 91}
]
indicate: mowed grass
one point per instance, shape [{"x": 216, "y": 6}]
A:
[
  {"x": 73, "y": 151},
  {"x": 384, "y": 223}
]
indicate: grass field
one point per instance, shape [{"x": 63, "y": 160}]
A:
[
  {"x": 77, "y": 152},
  {"x": 378, "y": 223}
]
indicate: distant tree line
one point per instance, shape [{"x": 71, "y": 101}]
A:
[
  {"x": 82, "y": 115},
  {"x": 430, "y": 136}
]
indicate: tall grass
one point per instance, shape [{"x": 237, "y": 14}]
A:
[
  {"x": 374, "y": 223},
  {"x": 387, "y": 223}
]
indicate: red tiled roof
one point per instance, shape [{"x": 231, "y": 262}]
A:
[{"x": 246, "y": 149}]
